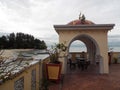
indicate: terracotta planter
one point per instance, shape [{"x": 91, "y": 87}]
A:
[{"x": 53, "y": 71}]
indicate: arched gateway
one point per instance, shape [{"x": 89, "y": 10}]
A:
[{"x": 93, "y": 35}]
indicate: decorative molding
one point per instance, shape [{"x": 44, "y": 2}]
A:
[
  {"x": 33, "y": 79},
  {"x": 19, "y": 84},
  {"x": 84, "y": 27}
]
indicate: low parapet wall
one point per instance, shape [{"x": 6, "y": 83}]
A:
[
  {"x": 114, "y": 55},
  {"x": 28, "y": 79}
]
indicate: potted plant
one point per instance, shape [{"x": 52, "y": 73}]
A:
[{"x": 53, "y": 68}]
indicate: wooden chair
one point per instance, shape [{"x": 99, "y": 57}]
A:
[
  {"x": 87, "y": 64},
  {"x": 72, "y": 64}
]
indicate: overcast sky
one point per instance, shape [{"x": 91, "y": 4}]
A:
[{"x": 37, "y": 17}]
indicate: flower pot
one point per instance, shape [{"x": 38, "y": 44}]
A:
[{"x": 53, "y": 71}]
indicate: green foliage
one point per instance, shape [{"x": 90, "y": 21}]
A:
[
  {"x": 3, "y": 42},
  {"x": 56, "y": 51},
  {"x": 21, "y": 41},
  {"x": 11, "y": 40}
]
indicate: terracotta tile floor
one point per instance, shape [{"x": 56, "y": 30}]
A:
[{"x": 89, "y": 79}]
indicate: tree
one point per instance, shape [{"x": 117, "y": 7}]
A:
[
  {"x": 43, "y": 45},
  {"x": 11, "y": 41},
  {"x": 3, "y": 42},
  {"x": 21, "y": 41},
  {"x": 37, "y": 44}
]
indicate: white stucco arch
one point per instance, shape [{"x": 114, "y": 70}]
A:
[
  {"x": 94, "y": 36},
  {"x": 89, "y": 42}
]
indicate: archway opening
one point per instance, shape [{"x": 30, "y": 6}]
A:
[
  {"x": 77, "y": 46},
  {"x": 84, "y": 43},
  {"x": 96, "y": 44}
]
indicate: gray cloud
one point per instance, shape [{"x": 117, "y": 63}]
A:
[
  {"x": 37, "y": 17},
  {"x": 16, "y": 3}
]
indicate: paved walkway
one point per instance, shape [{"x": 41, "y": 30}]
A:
[{"x": 90, "y": 79}]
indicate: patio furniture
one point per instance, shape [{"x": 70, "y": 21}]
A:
[
  {"x": 72, "y": 64},
  {"x": 82, "y": 63}
]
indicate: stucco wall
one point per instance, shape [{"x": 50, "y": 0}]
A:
[
  {"x": 10, "y": 84},
  {"x": 99, "y": 36}
]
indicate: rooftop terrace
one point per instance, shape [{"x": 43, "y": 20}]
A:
[{"x": 89, "y": 79}]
